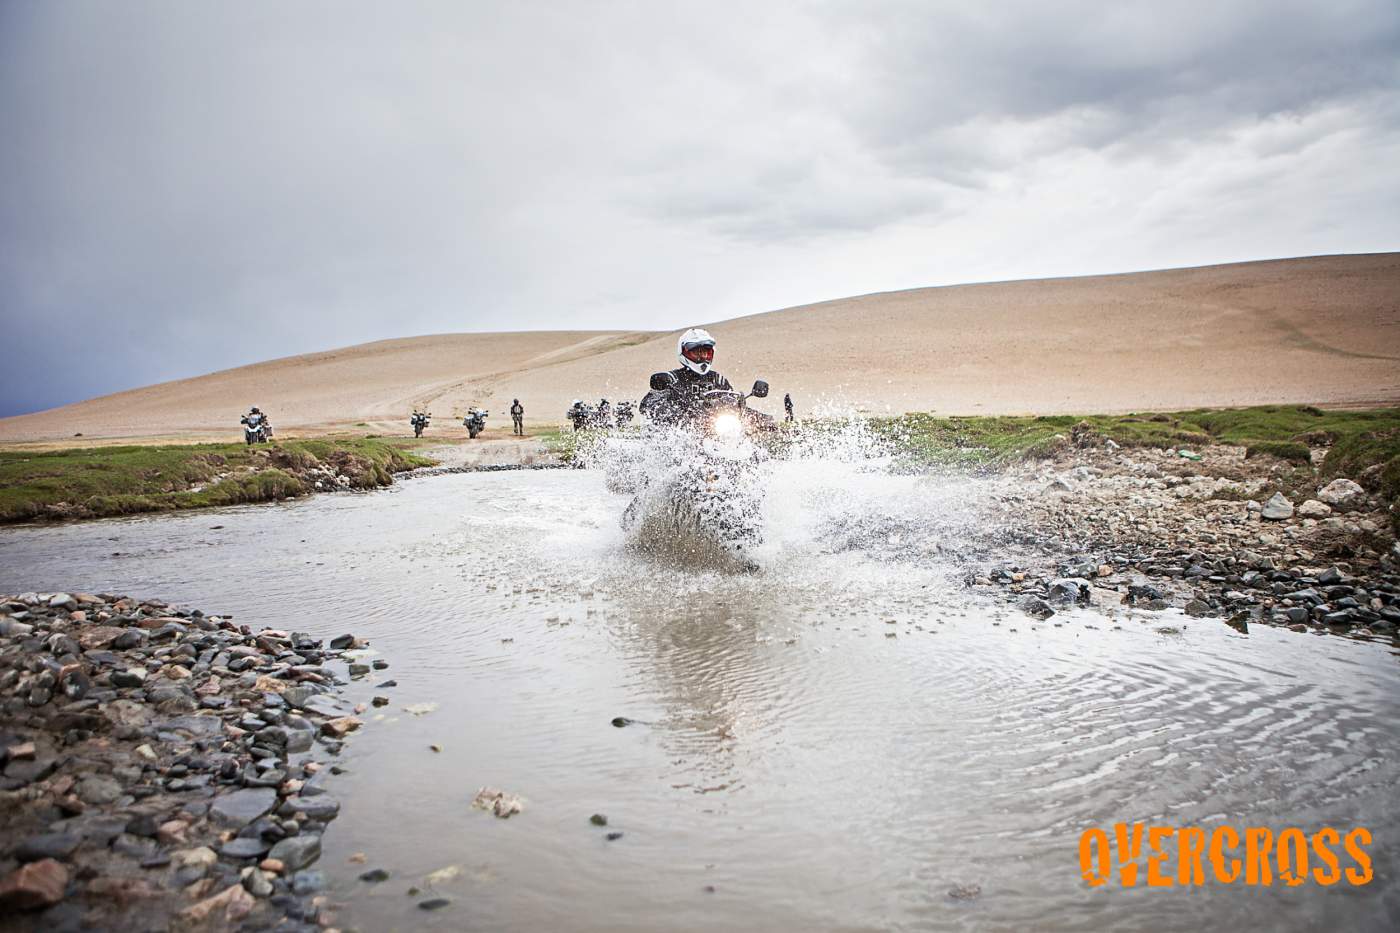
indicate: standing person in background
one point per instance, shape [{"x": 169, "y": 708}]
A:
[
  {"x": 517, "y": 414},
  {"x": 787, "y": 405}
]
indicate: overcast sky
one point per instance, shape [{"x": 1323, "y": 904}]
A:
[{"x": 189, "y": 186}]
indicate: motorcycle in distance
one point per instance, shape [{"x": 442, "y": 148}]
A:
[
  {"x": 706, "y": 494},
  {"x": 256, "y": 429},
  {"x": 475, "y": 421},
  {"x": 419, "y": 422}
]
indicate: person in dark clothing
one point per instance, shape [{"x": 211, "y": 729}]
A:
[
  {"x": 787, "y": 405},
  {"x": 577, "y": 414},
  {"x": 696, "y": 376},
  {"x": 603, "y": 416},
  {"x": 517, "y": 415}
]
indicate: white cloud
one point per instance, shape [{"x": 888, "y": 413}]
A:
[{"x": 176, "y": 177}]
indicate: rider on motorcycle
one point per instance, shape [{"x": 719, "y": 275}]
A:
[{"x": 696, "y": 376}]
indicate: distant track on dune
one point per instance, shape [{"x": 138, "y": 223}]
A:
[{"x": 1322, "y": 330}]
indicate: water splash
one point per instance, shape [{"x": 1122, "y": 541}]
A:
[{"x": 826, "y": 489}]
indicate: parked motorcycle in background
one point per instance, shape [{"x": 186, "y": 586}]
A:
[
  {"x": 419, "y": 422},
  {"x": 475, "y": 421}
]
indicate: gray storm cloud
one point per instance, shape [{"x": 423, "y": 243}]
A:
[{"x": 190, "y": 186}]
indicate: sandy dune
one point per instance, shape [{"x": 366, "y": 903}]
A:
[{"x": 1324, "y": 330}]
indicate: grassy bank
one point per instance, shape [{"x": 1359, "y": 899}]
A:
[
  {"x": 1362, "y": 445},
  {"x": 1285, "y": 431},
  {"x": 98, "y": 482}
]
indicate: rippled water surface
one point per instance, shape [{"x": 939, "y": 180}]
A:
[{"x": 833, "y": 742}]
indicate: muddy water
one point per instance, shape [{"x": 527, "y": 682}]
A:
[{"x": 835, "y": 742}]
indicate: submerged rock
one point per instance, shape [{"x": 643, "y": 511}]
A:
[
  {"x": 1036, "y": 608},
  {"x": 297, "y": 852},
  {"x": 499, "y": 802},
  {"x": 241, "y": 807}
]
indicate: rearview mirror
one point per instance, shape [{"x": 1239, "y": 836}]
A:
[
  {"x": 660, "y": 382},
  {"x": 760, "y": 389}
]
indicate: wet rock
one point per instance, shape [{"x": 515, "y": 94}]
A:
[
  {"x": 322, "y": 808},
  {"x": 341, "y": 727},
  {"x": 614, "y": 836},
  {"x": 307, "y": 882},
  {"x": 341, "y": 642},
  {"x": 297, "y": 852},
  {"x": 241, "y": 807},
  {"x": 121, "y": 891},
  {"x": 37, "y": 884},
  {"x": 98, "y": 789},
  {"x": 132, "y": 677},
  {"x": 225, "y": 908},
  {"x": 48, "y": 846},
  {"x": 375, "y": 875},
  {"x": 598, "y": 819},
  {"x": 1197, "y": 608},
  {"x": 241, "y": 847},
  {"x": 1070, "y": 590},
  {"x": 20, "y": 751},
  {"x": 198, "y": 860},
  {"x": 138, "y": 847},
  {"x": 128, "y": 639},
  {"x": 255, "y": 881},
  {"x": 323, "y": 705},
  {"x": 434, "y": 903},
  {"x": 499, "y": 802},
  {"x": 1277, "y": 508},
  {"x": 1035, "y": 607}
]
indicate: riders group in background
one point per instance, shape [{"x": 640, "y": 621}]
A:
[
  {"x": 686, "y": 384},
  {"x": 601, "y": 416}
]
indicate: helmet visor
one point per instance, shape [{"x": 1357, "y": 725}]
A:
[{"x": 699, "y": 352}]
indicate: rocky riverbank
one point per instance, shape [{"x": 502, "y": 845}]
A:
[
  {"x": 1246, "y": 539},
  {"x": 163, "y": 768}
]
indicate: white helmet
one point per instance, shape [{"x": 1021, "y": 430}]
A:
[{"x": 696, "y": 349}]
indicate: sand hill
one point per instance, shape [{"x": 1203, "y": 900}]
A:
[{"x": 1322, "y": 330}]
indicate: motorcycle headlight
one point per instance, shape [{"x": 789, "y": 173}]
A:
[{"x": 727, "y": 424}]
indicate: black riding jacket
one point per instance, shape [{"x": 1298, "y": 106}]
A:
[{"x": 674, "y": 403}]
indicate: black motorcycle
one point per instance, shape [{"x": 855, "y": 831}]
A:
[
  {"x": 256, "y": 429},
  {"x": 703, "y": 485},
  {"x": 475, "y": 422},
  {"x": 419, "y": 422}
]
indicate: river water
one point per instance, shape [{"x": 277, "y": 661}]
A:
[{"x": 842, "y": 740}]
